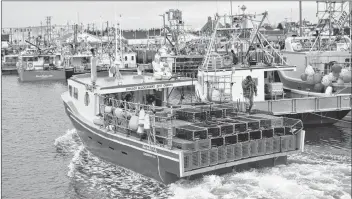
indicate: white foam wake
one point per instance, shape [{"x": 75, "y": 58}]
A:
[
  {"x": 307, "y": 176},
  {"x": 67, "y": 143}
]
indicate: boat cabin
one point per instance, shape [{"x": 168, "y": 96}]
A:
[
  {"x": 219, "y": 83},
  {"x": 79, "y": 63},
  {"x": 39, "y": 61},
  {"x": 129, "y": 60},
  {"x": 146, "y": 89},
  {"x": 10, "y": 59}
]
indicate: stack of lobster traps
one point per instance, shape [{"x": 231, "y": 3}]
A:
[{"x": 219, "y": 133}]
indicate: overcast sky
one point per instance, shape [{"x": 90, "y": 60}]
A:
[{"x": 143, "y": 14}]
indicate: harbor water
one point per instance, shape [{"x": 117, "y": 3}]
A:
[{"x": 42, "y": 157}]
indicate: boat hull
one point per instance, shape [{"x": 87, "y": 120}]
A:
[
  {"x": 134, "y": 156},
  {"x": 29, "y": 76},
  {"x": 8, "y": 68},
  {"x": 319, "y": 118},
  {"x": 297, "y": 84},
  {"x": 129, "y": 156}
]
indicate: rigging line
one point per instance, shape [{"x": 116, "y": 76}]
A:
[{"x": 332, "y": 118}]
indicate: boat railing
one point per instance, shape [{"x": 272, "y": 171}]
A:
[
  {"x": 120, "y": 123},
  {"x": 305, "y": 105}
]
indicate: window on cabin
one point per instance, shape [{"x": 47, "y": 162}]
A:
[
  {"x": 11, "y": 59},
  {"x": 132, "y": 58},
  {"x": 125, "y": 58},
  {"x": 70, "y": 90},
  {"x": 75, "y": 93}
]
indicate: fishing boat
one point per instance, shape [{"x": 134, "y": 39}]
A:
[
  {"x": 219, "y": 79},
  {"x": 323, "y": 60},
  {"x": 111, "y": 115},
  {"x": 8, "y": 65},
  {"x": 36, "y": 66},
  {"x": 315, "y": 64}
]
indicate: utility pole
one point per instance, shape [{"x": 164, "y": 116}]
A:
[
  {"x": 300, "y": 19},
  {"x": 48, "y": 26}
]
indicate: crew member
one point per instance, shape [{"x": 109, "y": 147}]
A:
[
  {"x": 249, "y": 89},
  {"x": 234, "y": 57}
]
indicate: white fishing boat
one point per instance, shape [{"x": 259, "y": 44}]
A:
[
  {"x": 111, "y": 114},
  {"x": 33, "y": 65},
  {"x": 323, "y": 61},
  {"x": 220, "y": 80}
]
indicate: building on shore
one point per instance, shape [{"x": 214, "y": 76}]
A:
[{"x": 19, "y": 35}]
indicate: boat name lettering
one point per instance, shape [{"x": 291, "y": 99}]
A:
[
  {"x": 148, "y": 87},
  {"x": 146, "y": 147},
  {"x": 150, "y": 155},
  {"x": 43, "y": 76}
]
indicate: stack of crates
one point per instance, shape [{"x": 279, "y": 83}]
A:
[
  {"x": 184, "y": 144},
  {"x": 233, "y": 138},
  {"x": 191, "y": 114},
  {"x": 227, "y": 109},
  {"x": 189, "y": 132},
  {"x": 251, "y": 123},
  {"x": 213, "y": 129}
]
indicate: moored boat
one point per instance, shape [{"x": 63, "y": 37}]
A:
[
  {"x": 37, "y": 67},
  {"x": 317, "y": 69},
  {"x": 221, "y": 80},
  {"x": 8, "y": 65}
]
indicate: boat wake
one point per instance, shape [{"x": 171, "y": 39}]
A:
[
  {"x": 307, "y": 175},
  {"x": 311, "y": 174},
  {"x": 67, "y": 143},
  {"x": 95, "y": 178}
]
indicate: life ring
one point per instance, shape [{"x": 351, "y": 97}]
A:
[
  {"x": 227, "y": 60},
  {"x": 30, "y": 66}
]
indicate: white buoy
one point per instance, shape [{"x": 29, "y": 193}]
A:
[{"x": 328, "y": 90}]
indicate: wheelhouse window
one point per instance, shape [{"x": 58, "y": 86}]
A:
[
  {"x": 125, "y": 58},
  {"x": 70, "y": 90},
  {"x": 75, "y": 93},
  {"x": 132, "y": 58}
]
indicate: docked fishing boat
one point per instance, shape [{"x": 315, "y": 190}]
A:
[
  {"x": 111, "y": 115},
  {"x": 220, "y": 80},
  {"x": 35, "y": 66},
  {"x": 323, "y": 59},
  {"x": 8, "y": 65},
  {"x": 317, "y": 68}
]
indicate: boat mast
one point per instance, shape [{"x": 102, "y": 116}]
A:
[
  {"x": 121, "y": 51},
  {"x": 350, "y": 8}
]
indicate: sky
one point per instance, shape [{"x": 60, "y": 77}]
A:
[{"x": 143, "y": 14}]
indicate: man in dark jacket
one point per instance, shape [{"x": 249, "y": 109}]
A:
[{"x": 249, "y": 89}]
